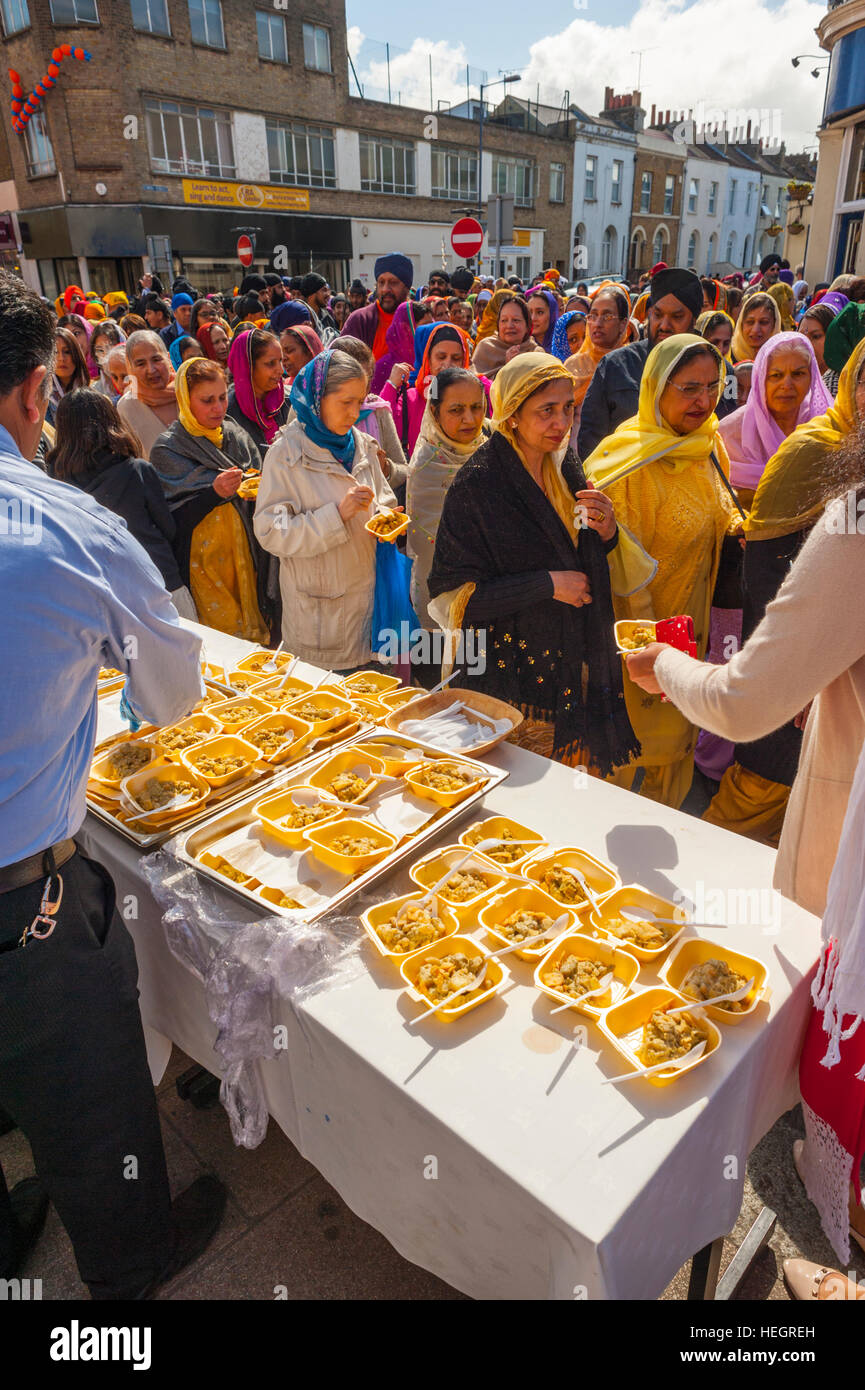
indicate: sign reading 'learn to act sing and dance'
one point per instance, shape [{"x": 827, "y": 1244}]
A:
[{"x": 207, "y": 193}]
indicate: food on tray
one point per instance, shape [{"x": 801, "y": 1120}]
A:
[
  {"x": 668, "y": 1036},
  {"x": 108, "y": 673},
  {"x": 249, "y": 486},
  {"x": 445, "y": 778},
  {"x": 523, "y": 924},
  {"x": 418, "y": 926},
  {"x": 159, "y": 791},
  {"x": 128, "y": 759},
  {"x": 463, "y": 885},
  {"x": 173, "y": 740},
  {"x": 348, "y": 786},
  {"x": 562, "y": 885},
  {"x": 221, "y": 766},
  {"x": 229, "y": 871},
  {"x": 355, "y": 845},
  {"x": 242, "y": 680},
  {"x": 269, "y": 740},
  {"x": 640, "y": 636},
  {"x": 307, "y": 815},
  {"x": 645, "y": 933},
  {"x": 315, "y": 713},
  {"x": 443, "y": 977},
  {"x": 240, "y": 714},
  {"x": 385, "y": 523},
  {"x": 504, "y": 852},
  {"x": 286, "y": 901},
  {"x": 575, "y": 975},
  {"x": 284, "y": 695},
  {"x": 715, "y": 977},
  {"x": 360, "y": 685},
  {"x": 260, "y": 659}
]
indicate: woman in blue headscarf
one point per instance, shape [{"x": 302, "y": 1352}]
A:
[
  {"x": 321, "y": 483},
  {"x": 544, "y": 309},
  {"x": 183, "y": 347},
  {"x": 568, "y": 334}
]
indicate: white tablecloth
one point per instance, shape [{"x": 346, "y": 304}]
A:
[{"x": 487, "y": 1150}]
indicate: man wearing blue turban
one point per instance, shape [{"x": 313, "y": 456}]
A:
[{"x": 393, "y": 278}]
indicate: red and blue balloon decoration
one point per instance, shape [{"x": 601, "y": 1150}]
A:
[{"x": 24, "y": 105}]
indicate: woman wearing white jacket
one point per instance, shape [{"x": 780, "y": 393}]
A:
[{"x": 321, "y": 482}]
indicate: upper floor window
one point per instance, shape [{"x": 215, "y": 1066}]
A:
[
  {"x": 16, "y": 16},
  {"x": 516, "y": 176},
  {"x": 301, "y": 154},
  {"x": 150, "y": 16},
  {"x": 316, "y": 47},
  {"x": 557, "y": 183},
  {"x": 616, "y": 184},
  {"x": 693, "y": 194},
  {"x": 713, "y": 198},
  {"x": 186, "y": 139},
  {"x": 646, "y": 192},
  {"x": 749, "y": 201},
  {"x": 386, "y": 166},
  {"x": 591, "y": 177},
  {"x": 205, "y": 22},
  {"x": 669, "y": 192},
  {"x": 74, "y": 12},
  {"x": 731, "y": 207},
  {"x": 40, "y": 152},
  {"x": 272, "y": 41},
  {"x": 454, "y": 174}
]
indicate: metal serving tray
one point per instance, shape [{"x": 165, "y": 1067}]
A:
[
  {"x": 263, "y": 784},
  {"x": 199, "y": 839}
]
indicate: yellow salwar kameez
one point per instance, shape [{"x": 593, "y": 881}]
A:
[
  {"x": 666, "y": 491},
  {"x": 222, "y": 576}
]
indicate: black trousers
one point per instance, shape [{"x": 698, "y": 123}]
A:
[{"x": 74, "y": 1076}]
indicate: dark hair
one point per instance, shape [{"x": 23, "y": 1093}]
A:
[
  {"x": 203, "y": 369},
  {"x": 855, "y": 291},
  {"x": 442, "y": 274},
  {"x": 195, "y": 316},
  {"x": 26, "y": 332},
  {"x": 522, "y": 305},
  {"x": 88, "y": 423},
  {"x": 133, "y": 323},
  {"x": 160, "y": 306},
  {"x": 248, "y": 304},
  {"x": 259, "y": 341},
  {"x": 80, "y": 371},
  {"x": 184, "y": 340},
  {"x": 702, "y": 349},
  {"x": 115, "y": 334},
  {"x": 616, "y": 295},
  {"x": 357, "y": 349},
  {"x": 450, "y": 376},
  {"x": 734, "y": 296},
  {"x": 823, "y": 313}
]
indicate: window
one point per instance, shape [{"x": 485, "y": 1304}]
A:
[
  {"x": 301, "y": 154},
  {"x": 74, "y": 12},
  {"x": 692, "y": 250},
  {"x": 16, "y": 16},
  {"x": 693, "y": 194},
  {"x": 523, "y": 268},
  {"x": 557, "y": 183},
  {"x": 386, "y": 166},
  {"x": 150, "y": 16},
  {"x": 316, "y": 47},
  {"x": 608, "y": 250},
  {"x": 205, "y": 22},
  {"x": 731, "y": 248},
  {"x": 659, "y": 245},
  {"x": 454, "y": 174},
  {"x": 731, "y": 206},
  {"x": 669, "y": 193},
  {"x": 645, "y": 192},
  {"x": 516, "y": 176},
  {"x": 749, "y": 200},
  {"x": 40, "y": 152},
  {"x": 616, "y": 187},
  {"x": 272, "y": 42},
  {"x": 591, "y": 177},
  {"x": 193, "y": 140},
  {"x": 746, "y": 254},
  {"x": 713, "y": 198}
]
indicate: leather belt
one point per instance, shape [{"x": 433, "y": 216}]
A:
[{"x": 34, "y": 867}]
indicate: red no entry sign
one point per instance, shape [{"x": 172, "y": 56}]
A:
[
  {"x": 467, "y": 237},
  {"x": 244, "y": 250}
]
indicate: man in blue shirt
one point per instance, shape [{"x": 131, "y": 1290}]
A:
[{"x": 77, "y": 593}]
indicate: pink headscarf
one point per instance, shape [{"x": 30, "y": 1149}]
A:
[
  {"x": 750, "y": 433},
  {"x": 264, "y": 412}
]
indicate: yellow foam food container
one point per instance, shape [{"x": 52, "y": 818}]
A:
[
  {"x": 693, "y": 951},
  {"x": 496, "y": 910},
  {"x": 631, "y": 900},
  {"x": 448, "y": 946},
  {"x": 374, "y": 918},
  {"x": 624, "y": 967}
]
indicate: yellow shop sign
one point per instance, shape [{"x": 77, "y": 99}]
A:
[{"x": 264, "y": 197}]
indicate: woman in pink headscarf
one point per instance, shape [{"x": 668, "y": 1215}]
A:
[
  {"x": 786, "y": 390},
  {"x": 409, "y": 316},
  {"x": 257, "y": 400}
]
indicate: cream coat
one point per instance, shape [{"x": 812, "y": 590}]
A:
[
  {"x": 810, "y": 645},
  {"x": 327, "y": 566}
]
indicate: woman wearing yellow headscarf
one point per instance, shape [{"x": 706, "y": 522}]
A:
[
  {"x": 786, "y": 301},
  {"x": 716, "y": 326},
  {"x": 790, "y": 497},
  {"x": 759, "y": 320},
  {"x": 658, "y": 471},
  {"x": 490, "y": 316},
  {"x": 520, "y": 569},
  {"x": 201, "y": 460}
]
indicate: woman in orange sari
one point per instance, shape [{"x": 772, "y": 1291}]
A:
[{"x": 608, "y": 326}]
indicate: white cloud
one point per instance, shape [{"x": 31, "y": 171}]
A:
[{"x": 410, "y": 71}]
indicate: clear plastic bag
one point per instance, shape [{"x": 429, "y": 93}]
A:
[{"x": 247, "y": 969}]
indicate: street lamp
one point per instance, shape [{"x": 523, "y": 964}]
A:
[
  {"x": 796, "y": 61},
  {"x": 500, "y": 81}
]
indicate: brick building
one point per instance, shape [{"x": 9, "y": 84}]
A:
[
  {"x": 656, "y": 207},
  {"x": 197, "y": 118}
]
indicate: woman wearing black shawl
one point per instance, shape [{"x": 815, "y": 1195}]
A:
[{"x": 521, "y": 558}]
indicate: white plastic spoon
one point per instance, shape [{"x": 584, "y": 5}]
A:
[
  {"x": 603, "y": 985},
  {"x": 675, "y": 1065},
  {"x": 718, "y": 999},
  {"x": 272, "y": 664}
]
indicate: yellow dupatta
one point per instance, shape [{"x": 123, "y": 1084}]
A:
[
  {"x": 704, "y": 324},
  {"x": 187, "y": 419},
  {"x": 740, "y": 349}
]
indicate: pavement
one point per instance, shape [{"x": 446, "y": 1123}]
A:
[{"x": 288, "y": 1234}]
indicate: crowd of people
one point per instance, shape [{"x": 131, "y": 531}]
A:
[{"x": 567, "y": 457}]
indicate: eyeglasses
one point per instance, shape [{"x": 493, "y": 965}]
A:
[
  {"x": 692, "y": 390},
  {"x": 603, "y": 318}
]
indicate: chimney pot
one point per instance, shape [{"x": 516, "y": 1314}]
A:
[{"x": 652, "y": 121}]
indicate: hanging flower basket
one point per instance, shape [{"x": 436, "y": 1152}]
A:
[
  {"x": 775, "y": 230},
  {"x": 799, "y": 192},
  {"x": 796, "y": 228}
]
